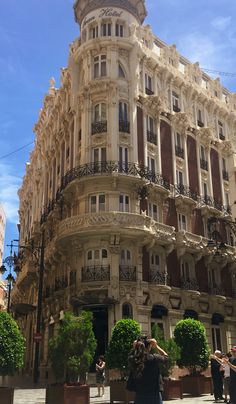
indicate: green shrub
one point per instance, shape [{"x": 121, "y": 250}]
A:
[
  {"x": 124, "y": 334},
  {"x": 12, "y": 345},
  {"x": 169, "y": 345},
  {"x": 190, "y": 336},
  {"x": 71, "y": 352}
]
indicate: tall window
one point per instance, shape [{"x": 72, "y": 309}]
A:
[
  {"x": 153, "y": 211},
  {"x": 97, "y": 203},
  {"x": 154, "y": 261},
  {"x": 125, "y": 257},
  {"x": 200, "y": 118},
  {"x": 124, "y": 203},
  {"x": 123, "y": 158},
  {"x": 180, "y": 178},
  {"x": 96, "y": 256},
  {"x": 150, "y": 124},
  {"x": 216, "y": 338},
  {"x": 185, "y": 270},
  {"x": 151, "y": 164},
  {"x": 179, "y": 151},
  {"x": 99, "y": 154},
  {"x": 148, "y": 84},
  {"x": 221, "y": 130},
  {"x": 204, "y": 190},
  {"x": 121, "y": 72},
  {"x": 175, "y": 102},
  {"x": 106, "y": 29},
  {"x": 99, "y": 66},
  {"x": 100, "y": 112},
  {"x": 119, "y": 30},
  {"x": 182, "y": 222},
  {"x": 123, "y": 111},
  {"x": 93, "y": 33}
]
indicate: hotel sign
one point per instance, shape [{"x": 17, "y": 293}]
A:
[{"x": 104, "y": 12}]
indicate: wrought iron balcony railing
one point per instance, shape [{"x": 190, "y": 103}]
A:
[
  {"x": 96, "y": 273},
  {"x": 179, "y": 152},
  {"x": 103, "y": 168},
  {"x": 189, "y": 284},
  {"x": 127, "y": 273},
  {"x": 216, "y": 290},
  {"x": 61, "y": 283},
  {"x": 148, "y": 91},
  {"x": 225, "y": 175},
  {"x": 124, "y": 126},
  {"x": 159, "y": 277},
  {"x": 207, "y": 200},
  {"x": 151, "y": 137},
  {"x": 204, "y": 164},
  {"x": 99, "y": 127},
  {"x": 186, "y": 191}
]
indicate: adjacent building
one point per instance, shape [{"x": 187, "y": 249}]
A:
[{"x": 130, "y": 178}]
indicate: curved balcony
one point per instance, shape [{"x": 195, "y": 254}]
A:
[
  {"x": 189, "y": 284},
  {"x": 211, "y": 202},
  {"x": 159, "y": 277},
  {"x": 113, "y": 221},
  {"x": 99, "y": 127},
  {"x": 103, "y": 168},
  {"x": 127, "y": 273},
  {"x": 124, "y": 126}
]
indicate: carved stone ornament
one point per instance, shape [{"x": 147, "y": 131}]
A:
[{"x": 181, "y": 121}]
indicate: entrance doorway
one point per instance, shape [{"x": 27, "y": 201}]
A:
[{"x": 100, "y": 329}]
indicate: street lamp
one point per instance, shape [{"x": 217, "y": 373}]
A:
[
  {"x": 10, "y": 262},
  {"x": 37, "y": 251}
]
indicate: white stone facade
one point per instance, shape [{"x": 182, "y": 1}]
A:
[{"x": 134, "y": 153}]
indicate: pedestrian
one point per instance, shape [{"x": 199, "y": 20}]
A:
[
  {"x": 232, "y": 385},
  {"x": 144, "y": 376},
  {"x": 217, "y": 375},
  {"x": 100, "y": 375},
  {"x": 226, "y": 380}
]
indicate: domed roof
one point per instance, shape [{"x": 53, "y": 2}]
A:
[{"x": 135, "y": 7}]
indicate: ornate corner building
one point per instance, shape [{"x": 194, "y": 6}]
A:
[{"x": 130, "y": 177}]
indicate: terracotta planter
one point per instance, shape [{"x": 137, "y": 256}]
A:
[
  {"x": 6, "y": 395},
  {"x": 197, "y": 385},
  {"x": 67, "y": 394},
  {"x": 118, "y": 392},
  {"x": 172, "y": 389}
]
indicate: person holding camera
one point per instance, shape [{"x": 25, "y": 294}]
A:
[
  {"x": 145, "y": 376},
  {"x": 100, "y": 375}
]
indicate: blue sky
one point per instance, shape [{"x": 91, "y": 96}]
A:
[{"x": 34, "y": 41}]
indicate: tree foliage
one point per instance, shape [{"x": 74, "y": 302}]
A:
[
  {"x": 169, "y": 345},
  {"x": 12, "y": 345},
  {"x": 71, "y": 352},
  {"x": 190, "y": 335},
  {"x": 124, "y": 334}
]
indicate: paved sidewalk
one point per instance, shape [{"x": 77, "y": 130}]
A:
[{"x": 37, "y": 396}]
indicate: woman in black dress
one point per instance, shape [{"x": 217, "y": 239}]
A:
[{"x": 144, "y": 370}]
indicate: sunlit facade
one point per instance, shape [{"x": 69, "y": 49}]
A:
[{"x": 134, "y": 152}]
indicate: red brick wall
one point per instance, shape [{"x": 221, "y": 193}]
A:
[
  {"x": 173, "y": 267},
  {"x": 197, "y": 223},
  {"x": 192, "y": 164},
  {"x": 215, "y": 171},
  {"x": 170, "y": 214},
  {"x": 140, "y": 135},
  {"x": 166, "y": 151},
  {"x": 201, "y": 275},
  {"x": 145, "y": 264}
]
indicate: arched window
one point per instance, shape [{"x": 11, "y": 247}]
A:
[
  {"x": 127, "y": 310},
  {"x": 121, "y": 72},
  {"x": 100, "y": 112},
  {"x": 97, "y": 256}
]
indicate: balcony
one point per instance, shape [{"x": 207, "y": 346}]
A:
[
  {"x": 176, "y": 108},
  {"x": 99, "y": 127},
  {"x": 96, "y": 273},
  {"x": 124, "y": 126},
  {"x": 151, "y": 137},
  {"x": 148, "y": 91},
  {"x": 225, "y": 175},
  {"x": 200, "y": 124},
  {"x": 189, "y": 284},
  {"x": 221, "y": 136},
  {"x": 158, "y": 277},
  {"x": 186, "y": 191},
  {"x": 207, "y": 200},
  {"x": 127, "y": 273},
  {"x": 179, "y": 152},
  {"x": 216, "y": 290},
  {"x": 102, "y": 168},
  {"x": 204, "y": 164}
]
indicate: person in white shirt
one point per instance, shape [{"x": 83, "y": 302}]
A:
[{"x": 226, "y": 380}]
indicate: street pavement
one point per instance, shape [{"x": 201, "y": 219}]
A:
[{"x": 37, "y": 396}]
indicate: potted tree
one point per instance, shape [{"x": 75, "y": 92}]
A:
[
  {"x": 123, "y": 335},
  {"x": 190, "y": 336},
  {"x": 172, "y": 387},
  {"x": 12, "y": 348},
  {"x": 71, "y": 353}
]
